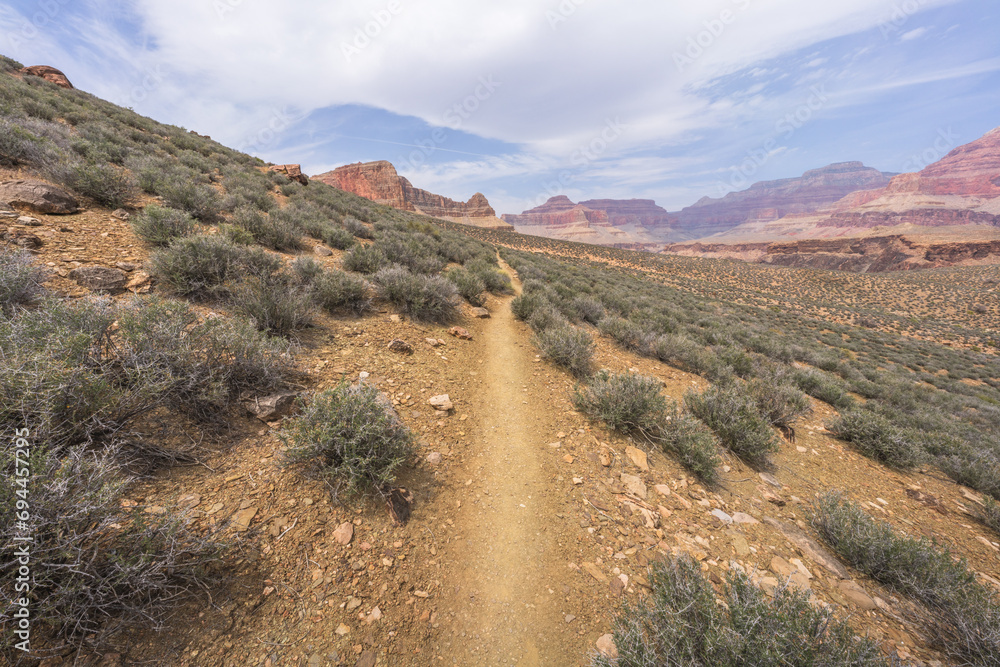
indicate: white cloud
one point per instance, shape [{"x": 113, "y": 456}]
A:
[{"x": 913, "y": 34}]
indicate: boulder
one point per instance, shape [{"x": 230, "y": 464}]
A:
[
  {"x": 292, "y": 171},
  {"x": 269, "y": 408},
  {"x": 38, "y": 196},
  {"x": 50, "y": 74},
  {"x": 441, "y": 403},
  {"x": 459, "y": 332},
  {"x": 481, "y": 313},
  {"x": 99, "y": 278},
  {"x": 20, "y": 238}
]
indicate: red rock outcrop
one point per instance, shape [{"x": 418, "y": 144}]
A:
[
  {"x": 292, "y": 171},
  {"x": 623, "y": 212},
  {"x": 559, "y": 212},
  {"x": 813, "y": 191},
  {"x": 380, "y": 182},
  {"x": 50, "y": 74}
]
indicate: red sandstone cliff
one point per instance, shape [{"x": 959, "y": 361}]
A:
[
  {"x": 623, "y": 212},
  {"x": 558, "y": 212},
  {"x": 50, "y": 74},
  {"x": 380, "y": 182}
]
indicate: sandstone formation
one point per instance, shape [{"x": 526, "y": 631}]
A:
[
  {"x": 771, "y": 200},
  {"x": 559, "y": 218},
  {"x": 559, "y": 212},
  {"x": 50, "y": 74},
  {"x": 38, "y": 196},
  {"x": 379, "y": 182},
  {"x": 625, "y": 212},
  {"x": 292, "y": 171}
]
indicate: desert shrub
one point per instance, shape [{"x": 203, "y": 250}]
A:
[
  {"x": 159, "y": 226},
  {"x": 429, "y": 298},
  {"x": 622, "y": 331},
  {"x": 693, "y": 443},
  {"x": 106, "y": 184},
  {"x": 337, "y": 237},
  {"x": 494, "y": 280},
  {"x": 780, "y": 403},
  {"x": 735, "y": 417},
  {"x": 273, "y": 232},
  {"x": 524, "y": 305},
  {"x": 20, "y": 279},
  {"x": 201, "y": 266},
  {"x": 978, "y": 468},
  {"x": 358, "y": 229},
  {"x": 588, "y": 309},
  {"x": 273, "y": 304},
  {"x": 681, "y": 624},
  {"x": 469, "y": 286},
  {"x": 97, "y": 567},
  {"x": 966, "y": 615},
  {"x": 247, "y": 188},
  {"x": 351, "y": 438},
  {"x": 305, "y": 270},
  {"x": 337, "y": 291},
  {"x": 876, "y": 437},
  {"x": 18, "y": 146},
  {"x": 626, "y": 402},
  {"x": 545, "y": 317},
  {"x": 823, "y": 387},
  {"x": 989, "y": 514},
  {"x": 569, "y": 347},
  {"x": 364, "y": 259}
]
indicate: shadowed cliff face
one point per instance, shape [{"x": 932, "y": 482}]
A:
[{"x": 380, "y": 182}]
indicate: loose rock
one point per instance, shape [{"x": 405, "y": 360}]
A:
[
  {"x": 441, "y": 403},
  {"x": 481, "y": 313},
  {"x": 99, "y": 278},
  {"x": 634, "y": 485},
  {"x": 400, "y": 346},
  {"x": 38, "y": 196},
  {"x": 344, "y": 534},
  {"x": 606, "y": 647},
  {"x": 638, "y": 458},
  {"x": 460, "y": 333}
]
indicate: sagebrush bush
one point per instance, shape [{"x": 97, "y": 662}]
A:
[
  {"x": 159, "y": 226},
  {"x": 273, "y": 232},
  {"x": 338, "y": 237},
  {"x": 545, "y": 317},
  {"x": 358, "y": 229},
  {"x": 691, "y": 441},
  {"x": 273, "y": 304},
  {"x": 989, "y": 514},
  {"x": 569, "y": 347},
  {"x": 735, "y": 417},
  {"x": 20, "y": 279},
  {"x": 680, "y": 624},
  {"x": 201, "y": 201},
  {"x": 469, "y": 286},
  {"x": 337, "y": 291},
  {"x": 524, "y": 305},
  {"x": 876, "y": 437},
  {"x": 626, "y": 402},
  {"x": 429, "y": 298},
  {"x": 966, "y": 614},
  {"x": 589, "y": 309},
  {"x": 823, "y": 387},
  {"x": 204, "y": 266},
  {"x": 624, "y": 332},
  {"x": 236, "y": 235},
  {"x": 780, "y": 403},
  {"x": 364, "y": 259},
  {"x": 97, "y": 567},
  {"x": 305, "y": 270},
  {"x": 351, "y": 438},
  {"x": 106, "y": 184}
]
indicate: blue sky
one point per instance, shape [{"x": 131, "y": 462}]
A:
[{"x": 526, "y": 99}]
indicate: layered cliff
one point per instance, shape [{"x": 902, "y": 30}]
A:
[
  {"x": 558, "y": 212},
  {"x": 379, "y": 182},
  {"x": 772, "y": 200},
  {"x": 625, "y": 212}
]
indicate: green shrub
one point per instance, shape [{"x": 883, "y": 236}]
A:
[
  {"x": 823, "y": 387},
  {"x": 337, "y": 291},
  {"x": 338, "y": 237},
  {"x": 589, "y": 309},
  {"x": 876, "y": 437},
  {"x": 524, "y": 305},
  {"x": 351, "y": 438},
  {"x": 681, "y": 624},
  {"x": 569, "y": 347},
  {"x": 20, "y": 279},
  {"x": 306, "y": 270},
  {"x": 273, "y": 232},
  {"x": 965, "y": 614},
  {"x": 735, "y": 417},
  {"x": 429, "y": 298},
  {"x": 202, "y": 266},
  {"x": 358, "y": 229},
  {"x": 179, "y": 191},
  {"x": 106, "y": 184},
  {"x": 159, "y": 226},
  {"x": 545, "y": 317},
  {"x": 273, "y": 304},
  {"x": 693, "y": 443},
  {"x": 469, "y": 286},
  {"x": 989, "y": 514},
  {"x": 236, "y": 235},
  {"x": 364, "y": 259},
  {"x": 494, "y": 280},
  {"x": 779, "y": 402},
  {"x": 622, "y": 331},
  {"x": 626, "y": 402}
]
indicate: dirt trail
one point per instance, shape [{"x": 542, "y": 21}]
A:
[{"x": 506, "y": 611}]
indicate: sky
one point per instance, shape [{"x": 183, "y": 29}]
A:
[{"x": 522, "y": 100}]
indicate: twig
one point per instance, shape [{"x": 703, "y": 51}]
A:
[{"x": 287, "y": 529}]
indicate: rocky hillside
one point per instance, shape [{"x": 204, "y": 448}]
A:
[{"x": 379, "y": 182}]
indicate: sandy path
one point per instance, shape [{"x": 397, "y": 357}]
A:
[{"x": 506, "y": 609}]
